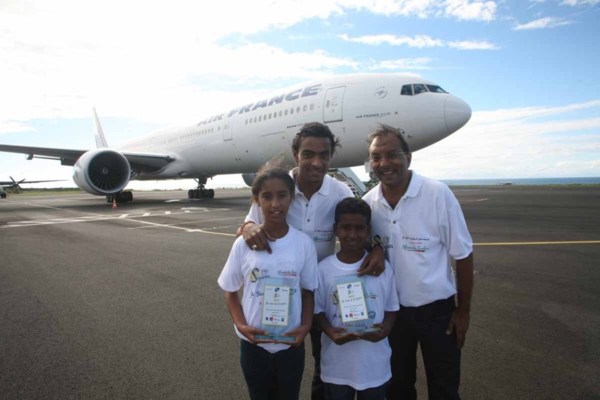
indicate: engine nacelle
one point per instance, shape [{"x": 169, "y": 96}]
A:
[
  {"x": 249, "y": 177},
  {"x": 102, "y": 172}
]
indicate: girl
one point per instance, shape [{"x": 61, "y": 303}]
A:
[{"x": 275, "y": 311}]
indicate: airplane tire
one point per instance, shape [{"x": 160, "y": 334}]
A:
[{"x": 210, "y": 193}]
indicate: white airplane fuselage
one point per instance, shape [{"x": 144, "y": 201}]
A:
[
  {"x": 242, "y": 139},
  {"x": 246, "y": 137}
]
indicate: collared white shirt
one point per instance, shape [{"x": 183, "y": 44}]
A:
[
  {"x": 315, "y": 217},
  {"x": 422, "y": 234}
]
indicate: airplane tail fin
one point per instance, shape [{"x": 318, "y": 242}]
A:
[{"x": 98, "y": 133}]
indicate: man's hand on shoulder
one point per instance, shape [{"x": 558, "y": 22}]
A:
[
  {"x": 256, "y": 237},
  {"x": 374, "y": 263}
]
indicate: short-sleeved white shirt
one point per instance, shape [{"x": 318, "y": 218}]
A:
[
  {"x": 360, "y": 363},
  {"x": 422, "y": 234},
  {"x": 293, "y": 258},
  {"x": 315, "y": 217}
]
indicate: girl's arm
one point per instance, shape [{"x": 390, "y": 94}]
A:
[
  {"x": 308, "y": 307},
  {"x": 234, "y": 305}
]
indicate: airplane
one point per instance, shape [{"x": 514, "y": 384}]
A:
[
  {"x": 242, "y": 139},
  {"x": 16, "y": 186}
]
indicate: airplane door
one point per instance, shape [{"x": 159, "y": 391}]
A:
[
  {"x": 227, "y": 129},
  {"x": 332, "y": 108}
]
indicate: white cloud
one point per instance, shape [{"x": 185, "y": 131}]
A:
[
  {"x": 543, "y": 23},
  {"x": 419, "y": 41},
  {"x": 403, "y": 64},
  {"x": 471, "y": 10},
  {"x": 574, "y": 3},
  {"x": 518, "y": 143},
  {"x": 473, "y": 45}
]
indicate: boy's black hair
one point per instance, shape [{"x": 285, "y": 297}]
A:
[{"x": 352, "y": 205}]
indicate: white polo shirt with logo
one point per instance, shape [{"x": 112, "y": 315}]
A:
[
  {"x": 315, "y": 217},
  {"x": 421, "y": 234}
]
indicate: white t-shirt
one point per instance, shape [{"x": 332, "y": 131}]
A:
[
  {"x": 314, "y": 217},
  {"x": 360, "y": 363},
  {"x": 422, "y": 234},
  {"x": 293, "y": 259}
]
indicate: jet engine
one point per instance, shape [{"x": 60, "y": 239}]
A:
[
  {"x": 249, "y": 178},
  {"x": 102, "y": 172}
]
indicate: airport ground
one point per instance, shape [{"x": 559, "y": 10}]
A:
[{"x": 103, "y": 303}]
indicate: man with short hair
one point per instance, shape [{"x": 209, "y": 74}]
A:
[
  {"x": 422, "y": 226},
  {"x": 312, "y": 212}
]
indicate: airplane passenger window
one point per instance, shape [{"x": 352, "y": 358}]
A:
[
  {"x": 291, "y": 111},
  {"x": 312, "y": 107},
  {"x": 419, "y": 88},
  {"x": 298, "y": 109},
  {"x": 435, "y": 89},
  {"x": 285, "y": 112},
  {"x": 406, "y": 90},
  {"x": 304, "y": 108}
]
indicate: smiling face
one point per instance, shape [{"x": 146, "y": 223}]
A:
[
  {"x": 274, "y": 199},
  {"x": 388, "y": 161},
  {"x": 313, "y": 158},
  {"x": 352, "y": 231}
]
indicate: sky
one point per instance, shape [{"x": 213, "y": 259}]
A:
[{"x": 529, "y": 69}]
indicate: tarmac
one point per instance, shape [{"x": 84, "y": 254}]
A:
[{"x": 105, "y": 303}]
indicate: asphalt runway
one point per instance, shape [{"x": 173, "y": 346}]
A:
[{"x": 103, "y": 303}]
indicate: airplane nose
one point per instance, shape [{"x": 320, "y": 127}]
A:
[{"x": 456, "y": 112}]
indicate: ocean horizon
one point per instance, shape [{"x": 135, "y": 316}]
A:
[{"x": 523, "y": 181}]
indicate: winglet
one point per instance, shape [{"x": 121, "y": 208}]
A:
[{"x": 98, "y": 133}]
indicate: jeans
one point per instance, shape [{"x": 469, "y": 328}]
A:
[
  {"x": 425, "y": 326},
  {"x": 272, "y": 375}
]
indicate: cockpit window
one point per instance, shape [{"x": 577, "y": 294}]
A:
[
  {"x": 419, "y": 88},
  {"x": 435, "y": 89},
  {"x": 416, "y": 88}
]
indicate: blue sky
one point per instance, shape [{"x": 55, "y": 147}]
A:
[{"x": 529, "y": 70}]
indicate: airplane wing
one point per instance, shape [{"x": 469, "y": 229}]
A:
[{"x": 141, "y": 162}]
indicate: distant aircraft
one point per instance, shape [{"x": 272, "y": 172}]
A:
[
  {"x": 16, "y": 186},
  {"x": 246, "y": 137}
]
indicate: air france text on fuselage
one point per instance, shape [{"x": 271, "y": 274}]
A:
[{"x": 288, "y": 97}]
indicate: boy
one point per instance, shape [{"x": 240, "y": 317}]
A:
[{"x": 355, "y": 355}]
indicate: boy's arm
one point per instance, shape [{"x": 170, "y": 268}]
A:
[
  {"x": 308, "y": 307},
  {"x": 384, "y": 328},
  {"x": 234, "y": 306}
]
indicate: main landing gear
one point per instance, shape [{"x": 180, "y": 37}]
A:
[
  {"x": 120, "y": 197},
  {"x": 201, "y": 192}
]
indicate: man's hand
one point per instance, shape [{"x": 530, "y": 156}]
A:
[
  {"x": 256, "y": 237},
  {"x": 459, "y": 322},
  {"x": 374, "y": 264}
]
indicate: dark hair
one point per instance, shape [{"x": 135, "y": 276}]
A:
[
  {"x": 385, "y": 130},
  {"x": 275, "y": 172},
  {"x": 315, "y": 129},
  {"x": 352, "y": 205}
]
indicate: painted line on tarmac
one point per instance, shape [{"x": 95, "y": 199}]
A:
[{"x": 537, "y": 243}]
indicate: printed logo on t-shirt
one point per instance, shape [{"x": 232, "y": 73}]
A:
[
  {"x": 415, "y": 243},
  {"x": 256, "y": 274}
]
